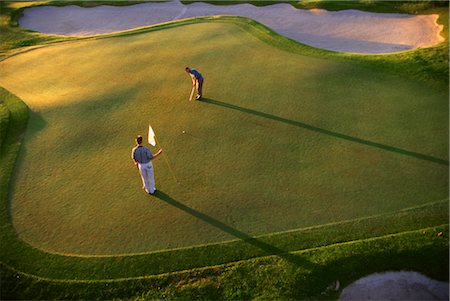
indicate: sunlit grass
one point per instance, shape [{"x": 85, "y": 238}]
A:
[{"x": 292, "y": 143}]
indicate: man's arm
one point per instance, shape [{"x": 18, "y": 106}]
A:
[
  {"x": 133, "y": 157},
  {"x": 193, "y": 78},
  {"x": 157, "y": 154}
]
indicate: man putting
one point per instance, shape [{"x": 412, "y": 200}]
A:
[
  {"x": 197, "y": 81},
  {"x": 143, "y": 157}
]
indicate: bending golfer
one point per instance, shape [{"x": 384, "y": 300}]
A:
[
  {"x": 197, "y": 81},
  {"x": 143, "y": 157}
]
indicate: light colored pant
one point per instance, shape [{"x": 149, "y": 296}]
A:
[{"x": 148, "y": 177}]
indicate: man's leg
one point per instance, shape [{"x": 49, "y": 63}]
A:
[
  {"x": 151, "y": 178},
  {"x": 199, "y": 88},
  {"x": 148, "y": 181},
  {"x": 142, "y": 172}
]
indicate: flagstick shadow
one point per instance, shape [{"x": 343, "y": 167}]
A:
[
  {"x": 267, "y": 248},
  {"x": 327, "y": 132}
]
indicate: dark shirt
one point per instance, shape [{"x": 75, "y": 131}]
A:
[
  {"x": 141, "y": 154},
  {"x": 196, "y": 74}
]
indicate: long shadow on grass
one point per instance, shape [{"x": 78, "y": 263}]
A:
[
  {"x": 327, "y": 132},
  {"x": 267, "y": 248}
]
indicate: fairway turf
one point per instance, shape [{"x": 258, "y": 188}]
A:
[{"x": 282, "y": 141}]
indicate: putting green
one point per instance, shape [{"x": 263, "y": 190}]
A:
[{"x": 282, "y": 141}]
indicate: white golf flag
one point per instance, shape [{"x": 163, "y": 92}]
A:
[{"x": 151, "y": 136}]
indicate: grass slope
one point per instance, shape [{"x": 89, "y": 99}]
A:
[{"x": 309, "y": 274}]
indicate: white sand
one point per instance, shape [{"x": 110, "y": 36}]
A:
[
  {"x": 346, "y": 31},
  {"x": 396, "y": 286}
]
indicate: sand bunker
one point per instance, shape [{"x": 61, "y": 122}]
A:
[
  {"x": 396, "y": 286},
  {"x": 345, "y": 31}
]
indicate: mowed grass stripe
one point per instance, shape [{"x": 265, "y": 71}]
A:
[
  {"x": 421, "y": 250},
  {"x": 286, "y": 255},
  {"x": 278, "y": 236},
  {"x": 227, "y": 158},
  {"x": 22, "y": 257}
]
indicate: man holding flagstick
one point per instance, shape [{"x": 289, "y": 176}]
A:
[
  {"x": 143, "y": 157},
  {"x": 152, "y": 141}
]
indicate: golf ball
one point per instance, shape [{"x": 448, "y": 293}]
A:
[{"x": 184, "y": 132}]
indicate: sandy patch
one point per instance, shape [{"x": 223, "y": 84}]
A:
[
  {"x": 396, "y": 286},
  {"x": 345, "y": 31}
]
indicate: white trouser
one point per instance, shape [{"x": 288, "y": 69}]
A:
[{"x": 148, "y": 177}]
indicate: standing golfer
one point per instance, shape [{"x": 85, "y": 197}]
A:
[
  {"x": 197, "y": 81},
  {"x": 143, "y": 157}
]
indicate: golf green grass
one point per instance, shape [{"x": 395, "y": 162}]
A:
[{"x": 282, "y": 141}]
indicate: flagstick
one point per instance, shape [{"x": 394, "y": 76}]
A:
[{"x": 167, "y": 161}]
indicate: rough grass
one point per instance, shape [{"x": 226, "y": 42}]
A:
[{"x": 13, "y": 122}]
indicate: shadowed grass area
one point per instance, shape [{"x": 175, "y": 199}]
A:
[{"x": 12, "y": 128}]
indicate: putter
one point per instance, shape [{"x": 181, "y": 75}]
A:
[{"x": 192, "y": 93}]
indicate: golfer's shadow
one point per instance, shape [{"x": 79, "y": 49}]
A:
[{"x": 265, "y": 247}]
